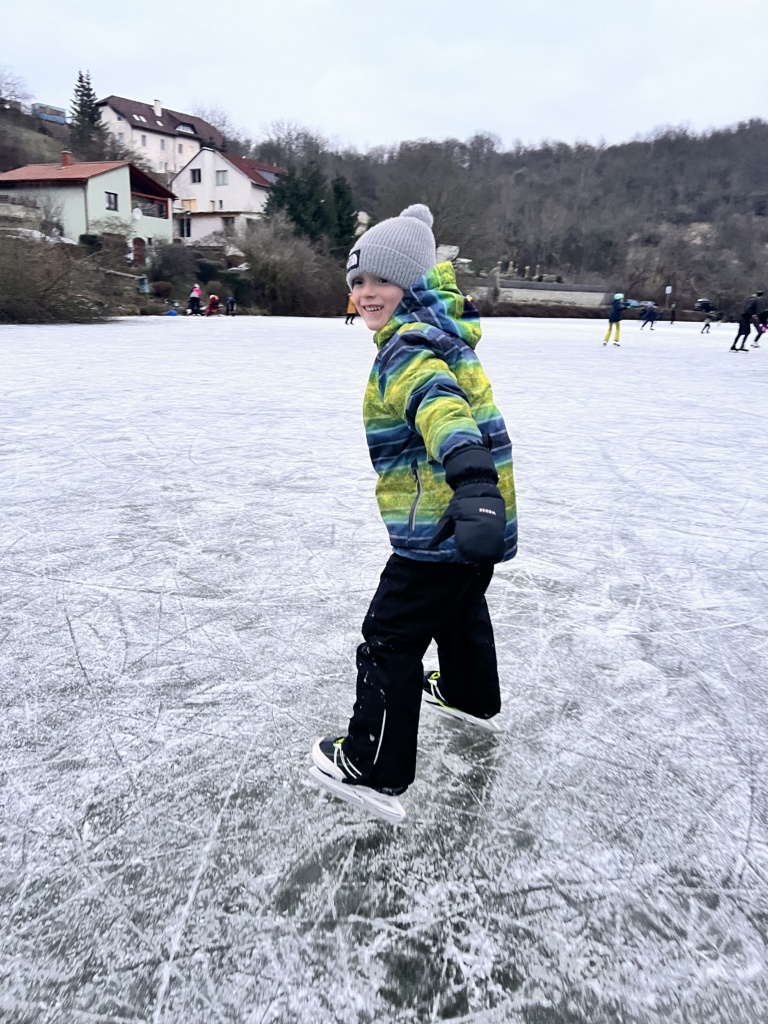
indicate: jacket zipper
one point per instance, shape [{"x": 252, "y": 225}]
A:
[{"x": 419, "y": 492}]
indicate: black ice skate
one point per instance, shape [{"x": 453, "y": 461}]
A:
[
  {"x": 433, "y": 697},
  {"x": 333, "y": 771}
]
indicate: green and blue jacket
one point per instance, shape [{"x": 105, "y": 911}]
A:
[{"x": 428, "y": 396}]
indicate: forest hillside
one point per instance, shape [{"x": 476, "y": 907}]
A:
[{"x": 675, "y": 208}]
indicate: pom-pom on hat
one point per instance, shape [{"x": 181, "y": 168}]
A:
[{"x": 400, "y": 249}]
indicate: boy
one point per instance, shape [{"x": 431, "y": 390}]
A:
[{"x": 446, "y": 493}]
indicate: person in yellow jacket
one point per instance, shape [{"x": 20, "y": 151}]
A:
[
  {"x": 614, "y": 318},
  {"x": 351, "y": 310}
]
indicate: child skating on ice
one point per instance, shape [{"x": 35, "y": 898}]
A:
[{"x": 446, "y": 493}]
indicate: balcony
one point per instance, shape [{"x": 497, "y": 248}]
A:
[{"x": 150, "y": 206}]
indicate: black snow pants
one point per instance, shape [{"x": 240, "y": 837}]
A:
[
  {"x": 415, "y": 603},
  {"x": 745, "y": 329}
]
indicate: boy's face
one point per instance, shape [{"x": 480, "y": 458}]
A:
[{"x": 376, "y": 299}]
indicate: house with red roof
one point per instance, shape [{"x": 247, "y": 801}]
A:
[
  {"x": 166, "y": 139},
  {"x": 97, "y": 197},
  {"x": 218, "y": 193}
]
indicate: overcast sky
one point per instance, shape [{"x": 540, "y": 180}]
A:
[{"x": 366, "y": 74}]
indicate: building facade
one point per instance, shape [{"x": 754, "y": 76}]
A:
[
  {"x": 97, "y": 197},
  {"x": 218, "y": 193},
  {"x": 166, "y": 139}
]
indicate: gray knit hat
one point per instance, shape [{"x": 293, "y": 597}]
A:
[{"x": 401, "y": 249}]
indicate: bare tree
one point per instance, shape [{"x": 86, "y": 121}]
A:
[{"x": 12, "y": 87}]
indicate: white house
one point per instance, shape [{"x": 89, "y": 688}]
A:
[
  {"x": 97, "y": 197},
  {"x": 219, "y": 193},
  {"x": 165, "y": 138}
]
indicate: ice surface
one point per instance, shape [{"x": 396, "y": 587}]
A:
[{"x": 188, "y": 542}]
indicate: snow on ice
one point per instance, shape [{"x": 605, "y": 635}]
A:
[{"x": 188, "y": 542}]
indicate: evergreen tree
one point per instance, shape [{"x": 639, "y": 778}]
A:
[
  {"x": 344, "y": 217},
  {"x": 304, "y": 196},
  {"x": 86, "y": 130}
]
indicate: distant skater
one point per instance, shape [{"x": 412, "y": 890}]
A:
[
  {"x": 762, "y": 327},
  {"x": 649, "y": 316},
  {"x": 707, "y": 324},
  {"x": 230, "y": 305},
  {"x": 748, "y": 317},
  {"x": 673, "y": 312},
  {"x": 194, "y": 300},
  {"x": 351, "y": 310},
  {"x": 614, "y": 318}
]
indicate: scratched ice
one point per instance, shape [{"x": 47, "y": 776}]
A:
[{"x": 188, "y": 541}]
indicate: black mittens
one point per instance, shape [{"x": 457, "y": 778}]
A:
[{"x": 476, "y": 513}]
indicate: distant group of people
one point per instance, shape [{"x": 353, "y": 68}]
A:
[
  {"x": 214, "y": 305},
  {"x": 754, "y": 314}
]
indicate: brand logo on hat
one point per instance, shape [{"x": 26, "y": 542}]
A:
[{"x": 354, "y": 260}]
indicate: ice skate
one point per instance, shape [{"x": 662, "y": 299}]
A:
[
  {"x": 336, "y": 773},
  {"x": 617, "y": 344},
  {"x": 433, "y": 697}
]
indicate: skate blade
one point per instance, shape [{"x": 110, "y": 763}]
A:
[
  {"x": 387, "y": 807},
  {"x": 486, "y": 724}
]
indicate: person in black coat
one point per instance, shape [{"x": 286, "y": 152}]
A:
[{"x": 749, "y": 316}]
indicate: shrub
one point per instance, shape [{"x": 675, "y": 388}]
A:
[
  {"x": 42, "y": 282},
  {"x": 207, "y": 270},
  {"x": 90, "y": 242},
  {"x": 173, "y": 263},
  {"x": 289, "y": 275},
  {"x": 161, "y": 289}
]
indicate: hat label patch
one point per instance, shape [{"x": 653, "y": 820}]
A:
[{"x": 354, "y": 260}]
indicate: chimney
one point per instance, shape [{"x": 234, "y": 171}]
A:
[
  {"x": 66, "y": 158},
  {"x": 158, "y": 105}
]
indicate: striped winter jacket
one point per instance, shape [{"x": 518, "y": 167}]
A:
[{"x": 427, "y": 396}]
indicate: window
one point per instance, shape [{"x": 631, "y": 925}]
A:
[
  {"x": 189, "y": 204},
  {"x": 196, "y": 175},
  {"x": 143, "y": 140},
  {"x": 228, "y": 224},
  {"x": 185, "y": 128},
  {"x": 185, "y": 227},
  {"x": 162, "y": 143},
  {"x": 181, "y": 148},
  {"x": 111, "y": 198},
  {"x": 149, "y": 241},
  {"x": 221, "y": 204},
  {"x": 119, "y": 118},
  {"x": 165, "y": 165},
  {"x": 221, "y": 177},
  {"x": 121, "y": 136}
]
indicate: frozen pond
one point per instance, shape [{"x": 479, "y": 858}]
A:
[{"x": 188, "y": 543}]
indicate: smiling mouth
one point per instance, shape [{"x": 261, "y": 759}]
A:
[{"x": 373, "y": 309}]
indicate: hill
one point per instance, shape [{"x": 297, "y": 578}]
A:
[{"x": 676, "y": 208}]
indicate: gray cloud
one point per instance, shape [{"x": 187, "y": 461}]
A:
[{"x": 368, "y": 75}]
